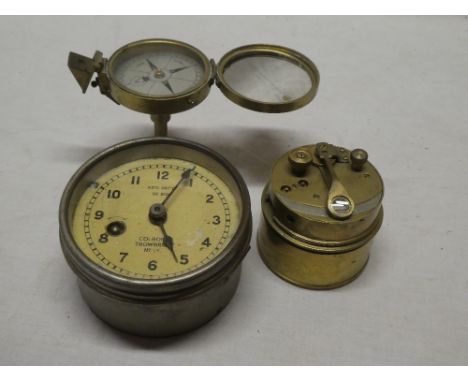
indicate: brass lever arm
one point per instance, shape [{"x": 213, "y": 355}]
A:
[{"x": 340, "y": 205}]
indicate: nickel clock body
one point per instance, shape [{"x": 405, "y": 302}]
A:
[{"x": 156, "y": 230}]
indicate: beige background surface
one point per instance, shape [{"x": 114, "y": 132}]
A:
[{"x": 395, "y": 86}]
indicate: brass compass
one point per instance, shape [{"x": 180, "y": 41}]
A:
[{"x": 161, "y": 77}]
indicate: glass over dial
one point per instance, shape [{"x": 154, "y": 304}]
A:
[
  {"x": 268, "y": 79},
  {"x": 158, "y": 70},
  {"x": 155, "y": 218}
]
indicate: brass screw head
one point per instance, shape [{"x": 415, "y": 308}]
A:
[{"x": 341, "y": 205}]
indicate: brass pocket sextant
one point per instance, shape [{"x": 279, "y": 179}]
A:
[{"x": 321, "y": 209}]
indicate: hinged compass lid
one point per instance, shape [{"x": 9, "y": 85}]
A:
[{"x": 267, "y": 78}]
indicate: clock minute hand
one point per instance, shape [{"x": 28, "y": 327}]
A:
[{"x": 185, "y": 175}]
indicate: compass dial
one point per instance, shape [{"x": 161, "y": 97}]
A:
[
  {"x": 155, "y": 218},
  {"x": 158, "y": 70}
]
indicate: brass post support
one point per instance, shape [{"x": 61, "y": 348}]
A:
[{"x": 160, "y": 124}]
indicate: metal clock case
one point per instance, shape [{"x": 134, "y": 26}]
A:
[
  {"x": 161, "y": 77},
  {"x": 156, "y": 229},
  {"x": 321, "y": 209}
]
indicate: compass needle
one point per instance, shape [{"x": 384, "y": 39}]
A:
[
  {"x": 168, "y": 86},
  {"x": 151, "y": 65},
  {"x": 178, "y": 69}
]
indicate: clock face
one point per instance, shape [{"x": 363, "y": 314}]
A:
[
  {"x": 155, "y": 218},
  {"x": 158, "y": 70}
]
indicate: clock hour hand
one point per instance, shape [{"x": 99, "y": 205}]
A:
[
  {"x": 158, "y": 216},
  {"x": 168, "y": 242}
]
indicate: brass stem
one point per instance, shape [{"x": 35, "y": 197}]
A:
[{"x": 160, "y": 124}]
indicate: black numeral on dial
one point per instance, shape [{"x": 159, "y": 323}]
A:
[
  {"x": 184, "y": 259},
  {"x": 162, "y": 175},
  {"x": 123, "y": 255},
  {"x": 216, "y": 220},
  {"x": 135, "y": 180},
  {"x": 103, "y": 238},
  {"x": 98, "y": 215},
  {"x": 206, "y": 242},
  {"x": 152, "y": 265},
  {"x": 209, "y": 198},
  {"x": 113, "y": 194}
]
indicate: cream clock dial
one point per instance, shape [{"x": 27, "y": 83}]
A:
[{"x": 155, "y": 218}]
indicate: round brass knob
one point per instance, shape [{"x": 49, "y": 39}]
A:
[
  {"x": 299, "y": 159},
  {"x": 358, "y": 159}
]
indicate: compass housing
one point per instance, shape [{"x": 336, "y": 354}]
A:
[{"x": 159, "y": 104}]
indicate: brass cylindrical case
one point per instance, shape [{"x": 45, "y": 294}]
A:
[{"x": 319, "y": 218}]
